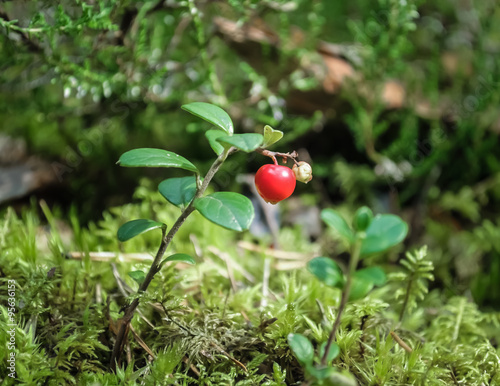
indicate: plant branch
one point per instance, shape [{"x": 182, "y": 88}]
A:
[
  {"x": 353, "y": 263},
  {"x": 9, "y": 24},
  {"x": 156, "y": 265},
  {"x": 401, "y": 342},
  {"x": 407, "y": 298},
  {"x": 273, "y": 154}
]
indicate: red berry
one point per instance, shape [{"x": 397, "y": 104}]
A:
[{"x": 274, "y": 182}]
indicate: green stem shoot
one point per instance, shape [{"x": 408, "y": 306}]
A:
[
  {"x": 156, "y": 266},
  {"x": 353, "y": 263}
]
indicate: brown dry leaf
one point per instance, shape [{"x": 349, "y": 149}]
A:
[
  {"x": 393, "y": 94},
  {"x": 453, "y": 63},
  {"x": 337, "y": 70},
  {"x": 297, "y": 36},
  {"x": 425, "y": 109},
  {"x": 257, "y": 32},
  {"x": 496, "y": 126}
]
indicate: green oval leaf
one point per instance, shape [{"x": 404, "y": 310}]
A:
[
  {"x": 301, "y": 347},
  {"x": 326, "y": 270},
  {"x": 245, "y": 142},
  {"x": 136, "y": 227},
  {"x": 343, "y": 378},
  {"x": 334, "y": 220},
  {"x": 229, "y": 210},
  {"x": 178, "y": 191},
  {"x": 211, "y": 113},
  {"x": 212, "y": 136},
  {"x": 384, "y": 232},
  {"x": 321, "y": 373},
  {"x": 179, "y": 257},
  {"x": 138, "y": 276},
  {"x": 364, "y": 280},
  {"x": 373, "y": 274},
  {"x": 332, "y": 353},
  {"x": 362, "y": 218},
  {"x": 271, "y": 136},
  {"x": 148, "y": 157},
  {"x": 359, "y": 288}
]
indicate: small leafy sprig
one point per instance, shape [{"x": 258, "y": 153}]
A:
[
  {"x": 418, "y": 273},
  {"x": 304, "y": 351},
  {"x": 367, "y": 236},
  {"x": 227, "y": 209}
]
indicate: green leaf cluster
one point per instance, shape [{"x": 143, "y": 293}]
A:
[
  {"x": 227, "y": 209},
  {"x": 369, "y": 235},
  {"x": 379, "y": 234},
  {"x": 418, "y": 272},
  {"x": 304, "y": 352}
]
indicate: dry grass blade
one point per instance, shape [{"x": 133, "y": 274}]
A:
[{"x": 278, "y": 254}]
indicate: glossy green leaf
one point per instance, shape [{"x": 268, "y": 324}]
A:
[
  {"x": 321, "y": 373},
  {"x": 211, "y": 113},
  {"x": 137, "y": 276},
  {"x": 364, "y": 280},
  {"x": 362, "y": 218},
  {"x": 271, "y": 136},
  {"x": 178, "y": 191},
  {"x": 136, "y": 227},
  {"x": 179, "y": 257},
  {"x": 359, "y": 288},
  {"x": 384, "y": 232},
  {"x": 245, "y": 142},
  {"x": 301, "y": 347},
  {"x": 212, "y": 136},
  {"x": 326, "y": 270},
  {"x": 343, "y": 378},
  {"x": 374, "y": 274},
  {"x": 229, "y": 210},
  {"x": 334, "y": 220},
  {"x": 332, "y": 353},
  {"x": 148, "y": 157}
]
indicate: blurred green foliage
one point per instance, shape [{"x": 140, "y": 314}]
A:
[{"x": 84, "y": 82}]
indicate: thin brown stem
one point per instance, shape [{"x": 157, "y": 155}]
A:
[
  {"x": 362, "y": 338},
  {"x": 353, "y": 263},
  {"x": 156, "y": 266},
  {"x": 273, "y": 154},
  {"x": 401, "y": 342}
]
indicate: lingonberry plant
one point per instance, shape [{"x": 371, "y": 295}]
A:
[
  {"x": 368, "y": 235},
  {"x": 227, "y": 209}
]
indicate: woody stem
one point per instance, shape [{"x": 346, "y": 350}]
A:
[{"x": 273, "y": 154}]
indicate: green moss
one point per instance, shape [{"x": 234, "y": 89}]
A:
[{"x": 202, "y": 332}]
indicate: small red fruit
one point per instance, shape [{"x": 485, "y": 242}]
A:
[{"x": 274, "y": 182}]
